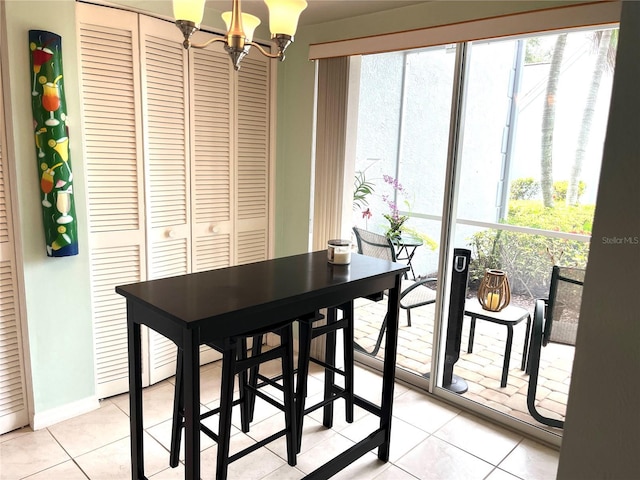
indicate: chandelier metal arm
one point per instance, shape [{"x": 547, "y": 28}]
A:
[
  {"x": 224, "y": 40},
  {"x": 265, "y": 53},
  {"x": 282, "y": 42},
  {"x": 209, "y": 42}
]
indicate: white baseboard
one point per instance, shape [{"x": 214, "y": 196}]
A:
[{"x": 47, "y": 418}]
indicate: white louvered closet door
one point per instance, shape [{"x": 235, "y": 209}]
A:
[
  {"x": 178, "y": 165},
  {"x": 253, "y": 173},
  {"x": 13, "y": 394},
  {"x": 164, "y": 71},
  {"x": 212, "y": 175},
  {"x": 115, "y": 189}
]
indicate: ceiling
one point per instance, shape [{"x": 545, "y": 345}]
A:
[{"x": 318, "y": 11}]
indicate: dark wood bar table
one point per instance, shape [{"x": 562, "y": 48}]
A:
[{"x": 196, "y": 308}]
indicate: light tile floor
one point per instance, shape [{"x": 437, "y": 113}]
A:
[{"x": 430, "y": 440}]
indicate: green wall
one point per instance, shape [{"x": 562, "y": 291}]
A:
[{"x": 57, "y": 289}]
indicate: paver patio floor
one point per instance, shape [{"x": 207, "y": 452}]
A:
[{"x": 481, "y": 369}]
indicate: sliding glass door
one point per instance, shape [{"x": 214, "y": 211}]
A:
[
  {"x": 401, "y": 156},
  {"x": 511, "y": 175}
]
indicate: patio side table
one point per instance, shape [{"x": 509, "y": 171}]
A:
[
  {"x": 509, "y": 316},
  {"x": 406, "y": 246}
]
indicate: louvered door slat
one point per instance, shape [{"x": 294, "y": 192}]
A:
[
  {"x": 4, "y": 220},
  {"x": 252, "y": 160},
  {"x": 213, "y": 251},
  {"x": 112, "y": 266},
  {"x": 166, "y": 131},
  {"x": 165, "y": 104},
  {"x": 13, "y": 394},
  {"x": 13, "y": 411},
  {"x": 111, "y": 102},
  {"x": 110, "y": 115},
  {"x": 252, "y": 246},
  {"x": 212, "y": 174}
]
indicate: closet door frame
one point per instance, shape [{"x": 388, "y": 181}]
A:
[{"x": 11, "y": 250}]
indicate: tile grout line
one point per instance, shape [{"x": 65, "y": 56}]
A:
[{"x": 66, "y": 452}]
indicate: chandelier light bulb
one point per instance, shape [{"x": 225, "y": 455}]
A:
[
  {"x": 249, "y": 24},
  {"x": 189, "y": 10},
  {"x": 284, "y": 15}
]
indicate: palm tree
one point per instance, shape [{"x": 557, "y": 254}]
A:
[
  {"x": 548, "y": 121},
  {"x": 605, "y": 42}
]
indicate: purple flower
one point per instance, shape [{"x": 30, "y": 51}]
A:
[
  {"x": 393, "y": 206},
  {"x": 394, "y": 182},
  {"x": 394, "y": 218}
]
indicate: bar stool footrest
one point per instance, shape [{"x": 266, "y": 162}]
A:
[
  {"x": 264, "y": 381},
  {"x": 327, "y": 401},
  {"x": 361, "y": 402},
  {"x": 331, "y": 327},
  {"x": 327, "y": 366},
  {"x": 215, "y": 411},
  {"x": 265, "y": 397},
  {"x": 257, "y": 445},
  {"x": 209, "y": 433}
]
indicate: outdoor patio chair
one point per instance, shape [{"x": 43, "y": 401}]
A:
[
  {"x": 412, "y": 293},
  {"x": 554, "y": 320}
]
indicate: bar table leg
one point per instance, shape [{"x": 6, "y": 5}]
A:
[
  {"x": 192, "y": 404},
  {"x": 135, "y": 395},
  {"x": 388, "y": 383}
]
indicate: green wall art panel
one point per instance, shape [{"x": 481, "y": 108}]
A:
[{"x": 51, "y": 137}]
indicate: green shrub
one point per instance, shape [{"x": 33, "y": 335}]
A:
[
  {"x": 560, "y": 218},
  {"x": 560, "y": 190},
  {"x": 528, "y": 259},
  {"x": 524, "y": 189},
  {"x": 528, "y": 188}
]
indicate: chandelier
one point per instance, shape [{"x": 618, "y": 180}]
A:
[{"x": 283, "y": 22}]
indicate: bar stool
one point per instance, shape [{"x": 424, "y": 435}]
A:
[
  {"x": 236, "y": 362},
  {"x": 332, "y": 392},
  {"x": 258, "y": 380}
]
